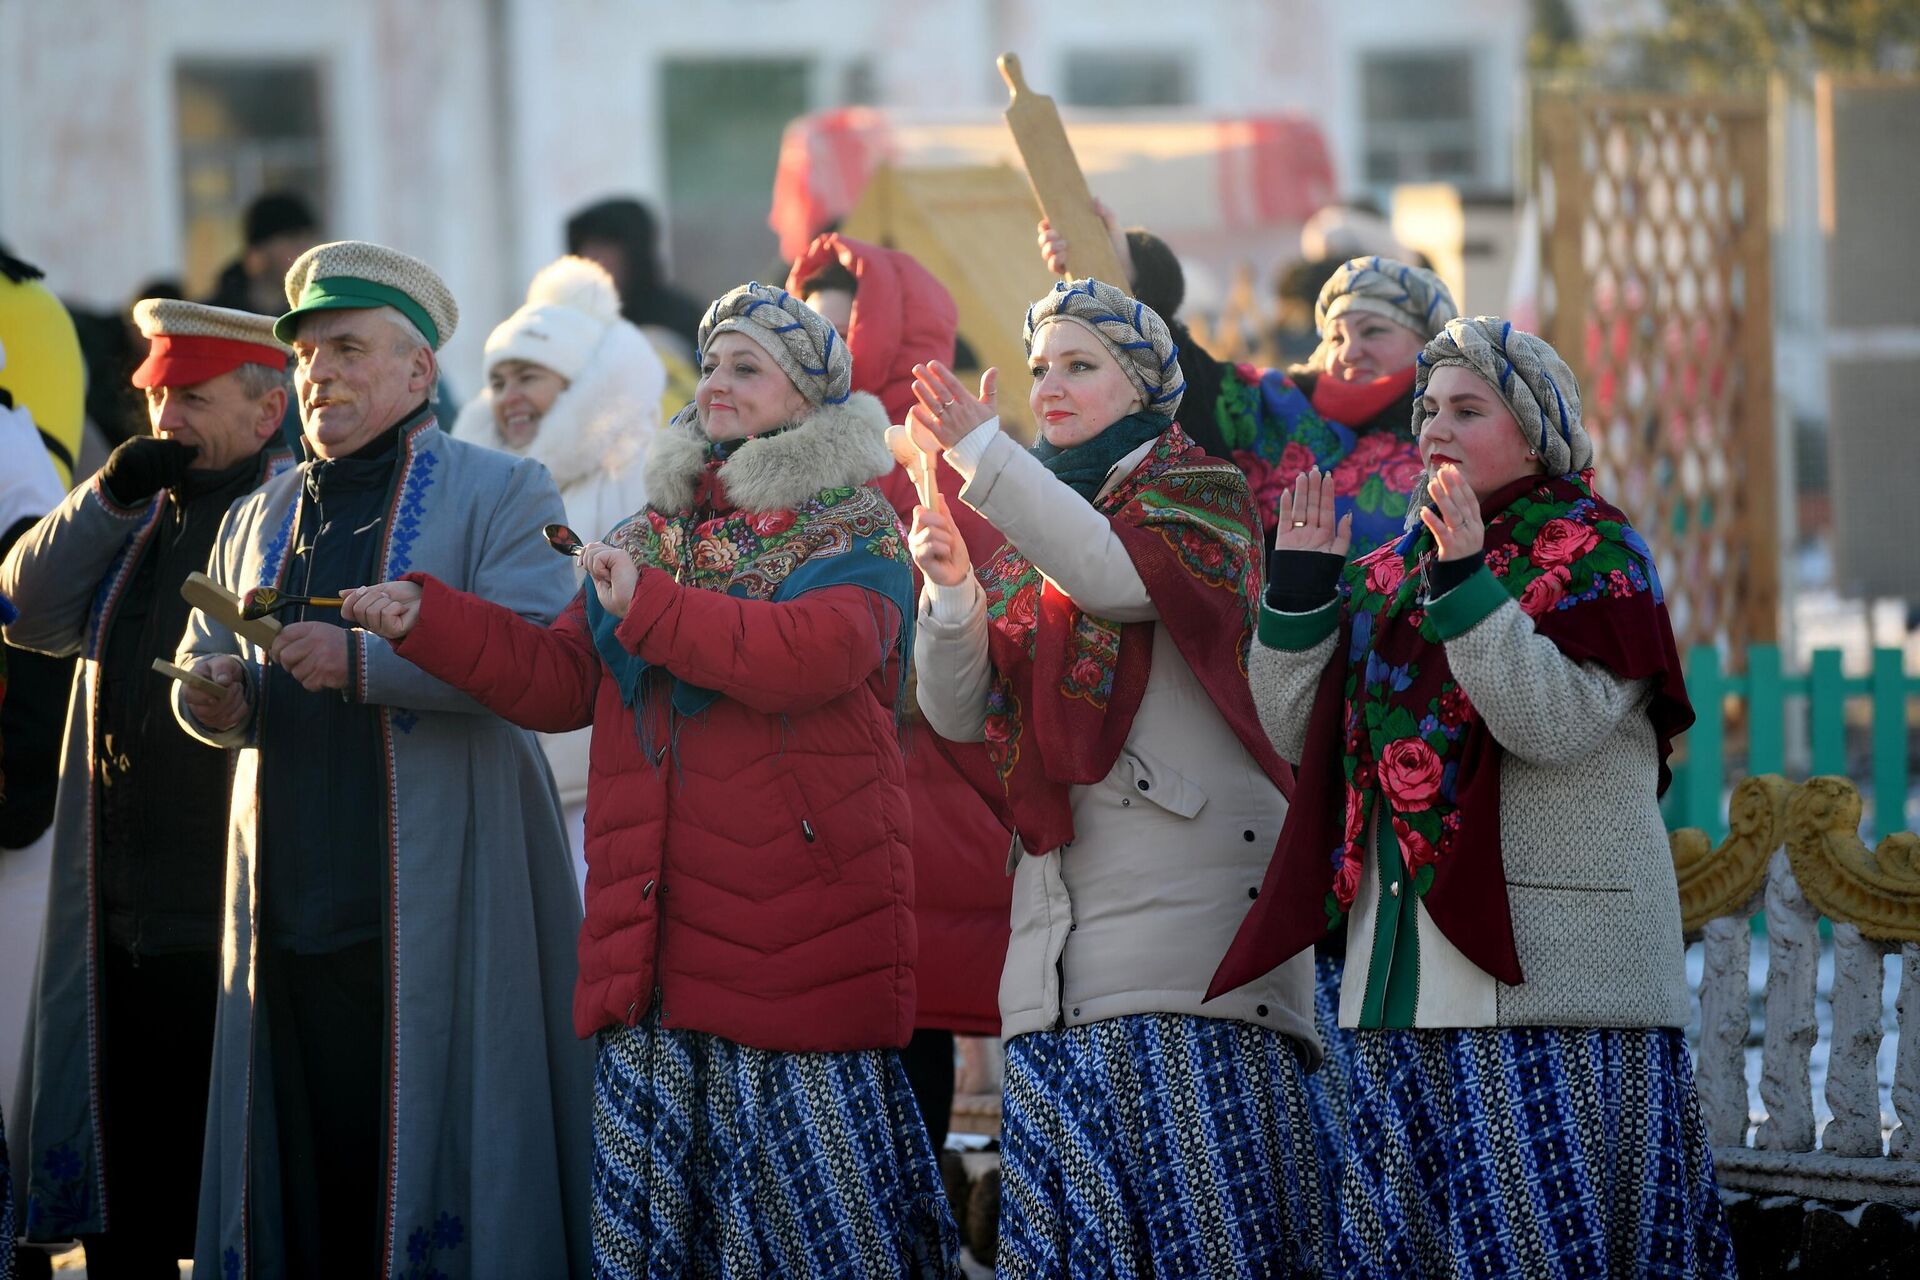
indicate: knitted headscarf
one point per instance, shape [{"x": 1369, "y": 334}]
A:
[
  {"x": 1130, "y": 330},
  {"x": 1410, "y": 296},
  {"x": 1530, "y": 378},
  {"x": 798, "y": 338}
]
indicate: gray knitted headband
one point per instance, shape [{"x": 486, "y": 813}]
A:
[
  {"x": 798, "y": 338},
  {"x": 1135, "y": 336},
  {"x": 1407, "y": 295}
]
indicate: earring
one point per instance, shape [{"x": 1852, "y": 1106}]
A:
[{"x": 1532, "y": 454}]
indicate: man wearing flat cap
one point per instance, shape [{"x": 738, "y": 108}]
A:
[
  {"x": 108, "y": 1127},
  {"x": 395, "y": 1084}
]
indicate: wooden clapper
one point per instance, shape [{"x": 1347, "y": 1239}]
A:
[
  {"x": 1054, "y": 173},
  {"x": 220, "y": 604}
]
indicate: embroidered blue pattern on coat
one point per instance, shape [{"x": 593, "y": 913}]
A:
[
  {"x": 406, "y": 527},
  {"x": 277, "y": 549},
  {"x": 425, "y": 1244},
  {"x": 61, "y": 1198},
  {"x": 230, "y": 1264},
  {"x": 406, "y": 521}
]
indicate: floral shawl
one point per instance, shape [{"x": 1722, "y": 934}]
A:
[
  {"x": 840, "y": 536},
  {"x": 1275, "y": 431},
  {"x": 1393, "y": 734},
  {"x": 1067, "y": 684}
]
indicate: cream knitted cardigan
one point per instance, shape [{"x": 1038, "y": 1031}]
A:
[{"x": 1590, "y": 882}]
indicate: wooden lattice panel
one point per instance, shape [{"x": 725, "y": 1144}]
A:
[{"x": 1656, "y": 289}]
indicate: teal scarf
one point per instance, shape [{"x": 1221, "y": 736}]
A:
[{"x": 1084, "y": 467}]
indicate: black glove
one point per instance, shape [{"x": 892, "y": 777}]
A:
[
  {"x": 143, "y": 466},
  {"x": 1302, "y": 581}
]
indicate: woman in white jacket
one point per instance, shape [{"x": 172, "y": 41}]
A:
[{"x": 573, "y": 385}]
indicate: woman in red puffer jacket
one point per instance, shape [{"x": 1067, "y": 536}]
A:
[
  {"x": 747, "y": 959},
  {"x": 894, "y": 315}
]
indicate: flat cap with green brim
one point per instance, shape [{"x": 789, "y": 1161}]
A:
[{"x": 357, "y": 275}]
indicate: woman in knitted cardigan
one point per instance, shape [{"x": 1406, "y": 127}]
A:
[{"x": 1482, "y": 713}]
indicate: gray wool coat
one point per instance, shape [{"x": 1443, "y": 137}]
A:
[
  {"x": 1590, "y": 881},
  {"x": 489, "y": 1128}
]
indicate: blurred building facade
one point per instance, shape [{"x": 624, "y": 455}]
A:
[{"x": 465, "y": 130}]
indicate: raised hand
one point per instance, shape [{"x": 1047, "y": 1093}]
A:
[
  {"x": 1454, "y": 517},
  {"x": 947, "y": 410},
  {"x": 388, "y": 609},
  {"x": 224, "y": 711},
  {"x": 1306, "y": 520},
  {"x": 937, "y": 546},
  {"x": 1053, "y": 246},
  {"x": 614, "y": 576}
]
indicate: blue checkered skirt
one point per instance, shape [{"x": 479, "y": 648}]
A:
[
  {"x": 712, "y": 1159},
  {"x": 1329, "y": 1089},
  {"x": 1160, "y": 1145},
  {"x": 1529, "y": 1151}
]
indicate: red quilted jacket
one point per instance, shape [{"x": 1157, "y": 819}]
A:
[
  {"x": 755, "y": 881},
  {"x": 903, "y": 316}
]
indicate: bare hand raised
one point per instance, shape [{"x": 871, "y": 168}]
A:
[
  {"x": 946, "y": 409},
  {"x": 388, "y": 609},
  {"x": 1053, "y": 245},
  {"x": 1306, "y": 520},
  {"x": 937, "y": 546},
  {"x": 1454, "y": 517}
]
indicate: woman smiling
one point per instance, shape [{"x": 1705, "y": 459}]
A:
[
  {"x": 1482, "y": 713},
  {"x": 747, "y": 958},
  {"x": 1100, "y": 654}
]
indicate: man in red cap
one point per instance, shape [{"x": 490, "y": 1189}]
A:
[{"x": 112, "y": 1109}]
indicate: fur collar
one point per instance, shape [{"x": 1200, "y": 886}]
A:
[
  {"x": 836, "y": 445},
  {"x": 602, "y": 423}
]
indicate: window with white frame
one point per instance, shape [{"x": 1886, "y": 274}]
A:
[{"x": 1419, "y": 117}]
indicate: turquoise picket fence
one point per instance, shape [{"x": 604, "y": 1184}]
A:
[{"x": 1771, "y": 695}]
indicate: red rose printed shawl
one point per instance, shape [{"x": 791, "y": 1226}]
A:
[
  {"x": 1067, "y": 685},
  {"x": 1390, "y": 726}
]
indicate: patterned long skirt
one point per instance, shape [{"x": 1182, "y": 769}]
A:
[
  {"x": 1330, "y": 1089},
  {"x": 1533, "y": 1151},
  {"x": 1159, "y": 1145},
  {"x": 712, "y": 1159}
]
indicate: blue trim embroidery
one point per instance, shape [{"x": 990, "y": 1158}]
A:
[
  {"x": 277, "y": 549},
  {"x": 406, "y": 521}
]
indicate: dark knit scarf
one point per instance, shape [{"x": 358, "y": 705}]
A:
[
  {"x": 1393, "y": 735},
  {"x": 1083, "y": 467},
  {"x": 1067, "y": 685}
]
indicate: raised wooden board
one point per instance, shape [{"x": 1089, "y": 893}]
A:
[
  {"x": 972, "y": 227},
  {"x": 1058, "y": 184},
  {"x": 220, "y": 604}
]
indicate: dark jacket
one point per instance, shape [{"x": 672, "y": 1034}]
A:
[{"x": 160, "y": 820}]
